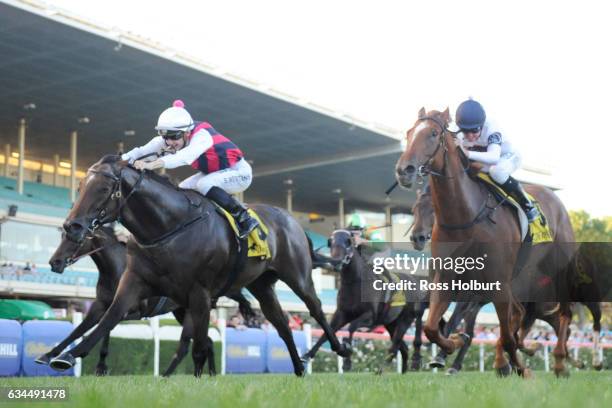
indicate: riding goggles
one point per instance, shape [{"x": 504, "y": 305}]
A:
[
  {"x": 170, "y": 134},
  {"x": 474, "y": 130}
]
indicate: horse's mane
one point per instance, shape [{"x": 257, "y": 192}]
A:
[
  {"x": 163, "y": 179},
  {"x": 109, "y": 159}
]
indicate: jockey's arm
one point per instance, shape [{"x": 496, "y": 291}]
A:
[
  {"x": 199, "y": 143},
  {"x": 491, "y": 156},
  {"x": 154, "y": 145}
]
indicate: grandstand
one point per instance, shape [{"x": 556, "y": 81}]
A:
[{"x": 71, "y": 69}]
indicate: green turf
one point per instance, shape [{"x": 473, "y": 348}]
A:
[{"x": 583, "y": 389}]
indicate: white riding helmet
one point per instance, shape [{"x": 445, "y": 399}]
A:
[{"x": 175, "y": 118}]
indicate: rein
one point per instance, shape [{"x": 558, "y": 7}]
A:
[{"x": 105, "y": 216}]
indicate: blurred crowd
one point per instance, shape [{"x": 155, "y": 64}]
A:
[{"x": 8, "y": 269}]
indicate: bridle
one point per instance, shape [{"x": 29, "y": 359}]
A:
[
  {"x": 72, "y": 259},
  {"x": 349, "y": 250},
  {"x": 104, "y": 215},
  {"x": 426, "y": 169}
]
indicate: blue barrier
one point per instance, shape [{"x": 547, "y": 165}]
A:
[
  {"x": 245, "y": 351},
  {"x": 11, "y": 344},
  {"x": 40, "y": 336},
  {"x": 278, "y": 359},
  {"x": 259, "y": 351}
]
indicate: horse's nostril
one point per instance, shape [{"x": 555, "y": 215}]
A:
[
  {"x": 75, "y": 227},
  {"x": 421, "y": 238},
  {"x": 410, "y": 169}
]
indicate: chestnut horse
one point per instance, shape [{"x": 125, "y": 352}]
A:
[
  {"x": 466, "y": 213},
  {"x": 582, "y": 267}
]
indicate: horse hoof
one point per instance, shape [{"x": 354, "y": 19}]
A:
[
  {"x": 452, "y": 371},
  {"x": 101, "y": 371},
  {"x": 578, "y": 364},
  {"x": 379, "y": 371},
  {"x": 562, "y": 373},
  {"x": 63, "y": 362},
  {"x": 347, "y": 364},
  {"x": 598, "y": 366},
  {"x": 345, "y": 350},
  {"x": 437, "y": 362},
  {"x": 504, "y": 371},
  {"x": 527, "y": 374},
  {"x": 306, "y": 358},
  {"x": 44, "y": 359}
]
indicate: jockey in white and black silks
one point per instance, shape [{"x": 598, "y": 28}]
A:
[
  {"x": 484, "y": 143},
  {"x": 222, "y": 167}
]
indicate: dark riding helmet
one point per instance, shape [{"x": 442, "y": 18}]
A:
[{"x": 470, "y": 115}]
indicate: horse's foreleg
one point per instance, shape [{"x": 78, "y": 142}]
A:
[
  {"x": 183, "y": 347},
  {"x": 210, "y": 357},
  {"x": 95, "y": 313},
  {"x": 595, "y": 309},
  {"x": 437, "y": 307},
  {"x": 264, "y": 293},
  {"x": 306, "y": 292},
  {"x": 470, "y": 322},
  {"x": 130, "y": 291},
  {"x": 525, "y": 326},
  {"x": 347, "y": 362},
  {"x": 101, "y": 368},
  {"x": 338, "y": 320},
  {"x": 507, "y": 341},
  {"x": 417, "y": 343},
  {"x": 560, "y": 350}
]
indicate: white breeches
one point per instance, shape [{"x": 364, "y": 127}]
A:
[
  {"x": 508, "y": 163},
  {"x": 233, "y": 180}
]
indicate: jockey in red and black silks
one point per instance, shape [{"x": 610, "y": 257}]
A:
[{"x": 222, "y": 167}]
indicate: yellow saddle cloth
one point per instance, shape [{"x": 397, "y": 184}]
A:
[
  {"x": 539, "y": 229},
  {"x": 257, "y": 243},
  {"x": 397, "y": 297}
]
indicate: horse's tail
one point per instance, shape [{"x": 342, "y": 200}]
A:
[{"x": 318, "y": 260}]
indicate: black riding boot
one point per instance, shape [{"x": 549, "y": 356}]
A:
[
  {"x": 245, "y": 222},
  {"x": 513, "y": 187}
]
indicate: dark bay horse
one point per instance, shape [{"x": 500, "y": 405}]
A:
[
  {"x": 182, "y": 248},
  {"x": 360, "y": 304},
  {"x": 466, "y": 214},
  {"x": 582, "y": 270},
  {"x": 110, "y": 256}
]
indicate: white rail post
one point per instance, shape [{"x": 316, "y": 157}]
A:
[
  {"x": 434, "y": 352},
  {"x": 77, "y": 318},
  {"x": 221, "y": 327},
  {"x": 481, "y": 365},
  {"x": 546, "y": 362},
  {"x": 398, "y": 357},
  {"x": 308, "y": 334},
  {"x": 154, "y": 322}
]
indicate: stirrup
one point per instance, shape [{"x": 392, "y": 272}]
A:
[
  {"x": 246, "y": 226},
  {"x": 532, "y": 214}
]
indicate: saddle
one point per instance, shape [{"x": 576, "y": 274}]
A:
[
  {"x": 537, "y": 232},
  {"x": 256, "y": 241}
]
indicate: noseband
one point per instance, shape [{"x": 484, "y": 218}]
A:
[{"x": 105, "y": 216}]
